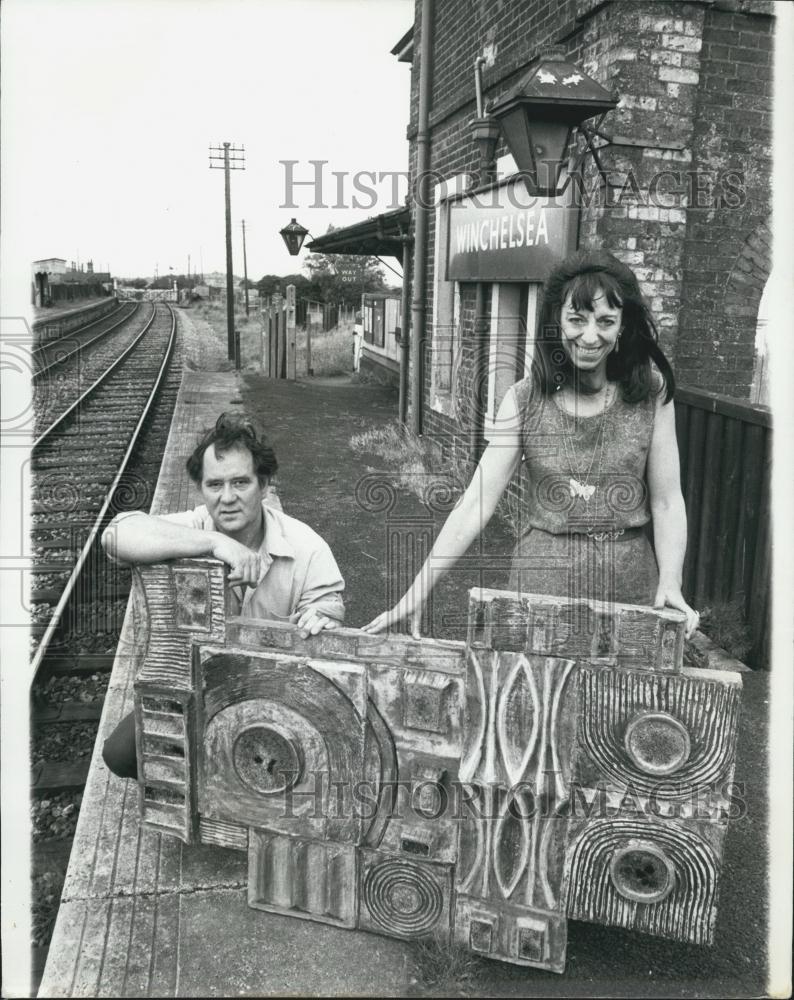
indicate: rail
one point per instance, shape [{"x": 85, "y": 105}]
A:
[{"x": 41, "y": 350}]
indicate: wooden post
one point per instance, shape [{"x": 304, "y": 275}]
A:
[
  {"x": 278, "y": 332},
  {"x": 273, "y": 341},
  {"x": 262, "y": 339},
  {"x": 291, "y": 353},
  {"x": 309, "y": 369}
]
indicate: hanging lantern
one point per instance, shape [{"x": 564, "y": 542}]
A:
[
  {"x": 293, "y": 235},
  {"x": 539, "y": 114}
]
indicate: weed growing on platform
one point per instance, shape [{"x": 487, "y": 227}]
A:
[
  {"x": 725, "y": 624},
  {"x": 445, "y": 969},
  {"x": 415, "y": 460},
  {"x": 418, "y": 461}
]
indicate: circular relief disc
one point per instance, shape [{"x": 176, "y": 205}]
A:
[
  {"x": 642, "y": 872},
  {"x": 657, "y": 743},
  {"x": 266, "y": 761},
  {"x": 402, "y": 897}
]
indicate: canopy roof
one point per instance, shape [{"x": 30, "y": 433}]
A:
[{"x": 382, "y": 235}]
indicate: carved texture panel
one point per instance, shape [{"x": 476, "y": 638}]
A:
[
  {"x": 283, "y": 742},
  {"x": 660, "y": 878},
  {"x": 302, "y": 878},
  {"x": 520, "y": 721},
  {"x": 561, "y": 763},
  {"x": 653, "y": 765},
  {"x": 404, "y": 897},
  {"x": 583, "y": 630}
]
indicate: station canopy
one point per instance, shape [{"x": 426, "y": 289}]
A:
[{"x": 382, "y": 235}]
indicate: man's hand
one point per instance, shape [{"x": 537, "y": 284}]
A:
[
  {"x": 310, "y": 622},
  {"x": 245, "y": 565}
]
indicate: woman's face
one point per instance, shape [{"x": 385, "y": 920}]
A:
[{"x": 589, "y": 336}]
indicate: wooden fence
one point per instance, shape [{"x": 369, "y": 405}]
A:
[
  {"x": 726, "y": 456},
  {"x": 278, "y": 336}
]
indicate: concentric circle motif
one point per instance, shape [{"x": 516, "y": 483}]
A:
[
  {"x": 657, "y": 743},
  {"x": 266, "y": 761},
  {"x": 642, "y": 872},
  {"x": 402, "y": 898}
]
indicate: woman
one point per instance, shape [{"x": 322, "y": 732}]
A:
[{"x": 595, "y": 424}]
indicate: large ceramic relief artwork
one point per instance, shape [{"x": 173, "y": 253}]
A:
[{"x": 561, "y": 763}]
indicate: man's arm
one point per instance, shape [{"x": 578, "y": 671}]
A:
[{"x": 144, "y": 538}]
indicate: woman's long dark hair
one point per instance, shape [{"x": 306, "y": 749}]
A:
[{"x": 584, "y": 276}]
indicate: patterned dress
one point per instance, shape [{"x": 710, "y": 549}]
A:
[{"x": 585, "y": 524}]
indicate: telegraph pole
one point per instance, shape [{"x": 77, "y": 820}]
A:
[
  {"x": 245, "y": 271},
  {"x": 232, "y": 158}
]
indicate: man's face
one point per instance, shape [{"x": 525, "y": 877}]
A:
[{"x": 231, "y": 490}]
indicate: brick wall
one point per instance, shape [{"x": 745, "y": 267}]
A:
[
  {"x": 649, "y": 55},
  {"x": 727, "y": 250}
]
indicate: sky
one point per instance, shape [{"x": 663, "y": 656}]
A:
[{"x": 110, "y": 106}]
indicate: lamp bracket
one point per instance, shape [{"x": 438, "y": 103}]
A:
[{"x": 590, "y": 133}]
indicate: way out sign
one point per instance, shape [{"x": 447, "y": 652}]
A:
[{"x": 506, "y": 234}]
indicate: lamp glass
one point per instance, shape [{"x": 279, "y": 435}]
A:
[{"x": 293, "y": 235}]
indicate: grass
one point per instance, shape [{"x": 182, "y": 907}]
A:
[
  {"x": 446, "y": 969},
  {"x": 332, "y": 351},
  {"x": 725, "y": 625},
  {"x": 419, "y": 464},
  {"x": 416, "y": 460}
]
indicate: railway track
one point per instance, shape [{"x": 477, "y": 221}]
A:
[
  {"x": 67, "y": 372},
  {"x": 101, "y": 455},
  {"x": 79, "y": 461},
  {"x": 51, "y": 352}
]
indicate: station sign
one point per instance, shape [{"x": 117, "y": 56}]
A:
[{"x": 505, "y": 234}]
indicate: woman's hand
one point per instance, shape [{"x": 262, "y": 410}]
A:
[
  {"x": 669, "y": 595},
  {"x": 400, "y": 612}
]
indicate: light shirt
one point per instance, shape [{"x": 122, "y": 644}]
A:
[{"x": 298, "y": 569}]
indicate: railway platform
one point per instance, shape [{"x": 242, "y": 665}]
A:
[
  {"x": 48, "y": 314},
  {"x": 144, "y": 915},
  {"x": 52, "y": 322}
]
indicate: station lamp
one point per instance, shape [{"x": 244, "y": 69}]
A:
[
  {"x": 293, "y": 235},
  {"x": 538, "y": 115}
]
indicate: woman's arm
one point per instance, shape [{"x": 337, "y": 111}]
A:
[
  {"x": 471, "y": 515},
  {"x": 669, "y": 513}
]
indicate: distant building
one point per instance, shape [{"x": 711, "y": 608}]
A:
[
  {"x": 50, "y": 265},
  {"x": 52, "y": 281}
]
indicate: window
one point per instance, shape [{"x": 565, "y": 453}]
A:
[{"x": 513, "y": 322}]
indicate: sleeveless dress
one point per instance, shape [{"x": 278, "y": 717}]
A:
[{"x": 584, "y": 521}]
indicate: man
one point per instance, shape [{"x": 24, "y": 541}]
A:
[{"x": 279, "y": 567}]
